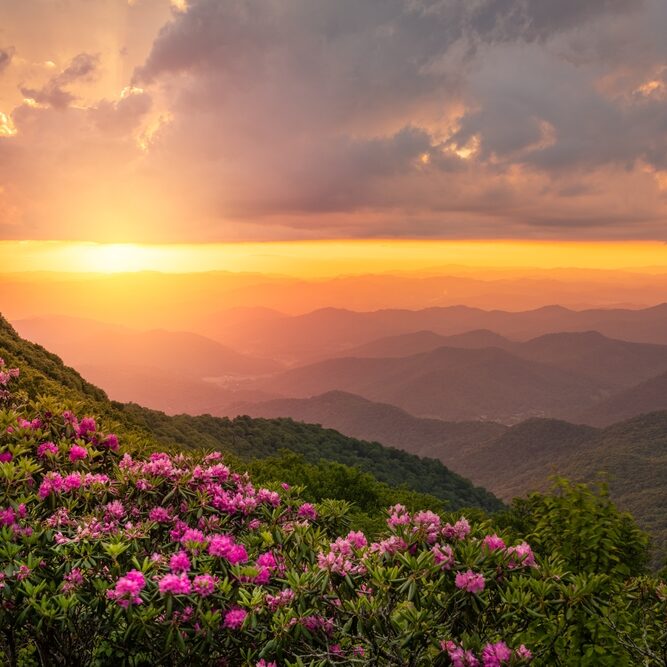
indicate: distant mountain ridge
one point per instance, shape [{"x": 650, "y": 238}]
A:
[
  {"x": 606, "y": 360},
  {"x": 648, "y": 396},
  {"x": 330, "y": 331},
  {"x": 44, "y": 373},
  {"x": 88, "y": 342},
  {"x": 447, "y": 383},
  {"x": 380, "y": 422}
]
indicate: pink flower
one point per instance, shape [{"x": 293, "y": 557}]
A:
[
  {"x": 470, "y": 581},
  {"x": 237, "y": 554},
  {"x": 264, "y": 663},
  {"x": 443, "y": 556},
  {"x": 7, "y": 517},
  {"x": 458, "y": 655},
  {"x": 283, "y": 598},
  {"x": 193, "y": 539},
  {"x": 47, "y": 448},
  {"x": 5, "y": 457},
  {"x": 127, "y": 589},
  {"x": 495, "y": 655},
  {"x": 73, "y": 579},
  {"x": 204, "y": 584},
  {"x": 398, "y": 516},
  {"x": 86, "y": 425},
  {"x": 307, "y": 511},
  {"x": 176, "y": 584},
  {"x": 77, "y": 453},
  {"x": 521, "y": 555},
  {"x": 111, "y": 442},
  {"x": 159, "y": 515},
  {"x": 357, "y": 539},
  {"x": 71, "y": 482},
  {"x": 493, "y": 542},
  {"x": 225, "y": 547},
  {"x": 458, "y": 531},
  {"x": 179, "y": 562},
  {"x": 234, "y": 618},
  {"x": 115, "y": 510},
  {"x": 523, "y": 653}
]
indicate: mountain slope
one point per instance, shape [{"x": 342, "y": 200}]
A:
[
  {"x": 44, "y": 373},
  {"x": 606, "y": 360},
  {"x": 360, "y": 418},
  {"x": 648, "y": 396},
  {"x": 426, "y": 341},
  {"x": 448, "y": 383},
  {"x": 589, "y": 353},
  {"x": 87, "y": 342},
  {"x": 632, "y": 455}
]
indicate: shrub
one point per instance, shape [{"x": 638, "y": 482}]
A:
[{"x": 108, "y": 557}]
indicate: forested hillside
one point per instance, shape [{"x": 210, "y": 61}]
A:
[{"x": 243, "y": 437}]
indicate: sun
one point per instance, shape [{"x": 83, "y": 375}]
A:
[{"x": 114, "y": 257}]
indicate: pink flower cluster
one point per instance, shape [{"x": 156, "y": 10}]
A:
[
  {"x": 234, "y": 618},
  {"x": 179, "y": 562},
  {"x": 342, "y": 557},
  {"x": 176, "y": 584},
  {"x": 127, "y": 589},
  {"x": 46, "y": 449},
  {"x": 521, "y": 556},
  {"x": 7, "y": 375},
  {"x": 280, "y": 600},
  {"x": 307, "y": 511},
  {"x": 224, "y": 546},
  {"x": 493, "y": 655},
  {"x": 204, "y": 584},
  {"x": 54, "y": 482},
  {"x": 470, "y": 581},
  {"x": 443, "y": 555}
]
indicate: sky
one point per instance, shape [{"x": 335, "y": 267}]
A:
[{"x": 201, "y": 121}]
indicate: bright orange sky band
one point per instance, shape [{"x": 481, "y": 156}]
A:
[{"x": 327, "y": 258}]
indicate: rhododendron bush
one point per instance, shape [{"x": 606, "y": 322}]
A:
[{"x": 108, "y": 557}]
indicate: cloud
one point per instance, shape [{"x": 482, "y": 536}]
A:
[
  {"x": 445, "y": 109},
  {"x": 6, "y": 55},
  {"x": 53, "y": 93},
  {"x": 121, "y": 116},
  {"x": 312, "y": 118}
]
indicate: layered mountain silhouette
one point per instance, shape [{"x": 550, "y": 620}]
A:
[
  {"x": 449, "y": 383},
  {"x": 331, "y": 332},
  {"x": 648, "y": 396},
  {"x": 83, "y": 341},
  {"x": 606, "y": 360},
  {"x": 380, "y": 422}
]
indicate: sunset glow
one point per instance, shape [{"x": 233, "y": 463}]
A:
[{"x": 327, "y": 258}]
